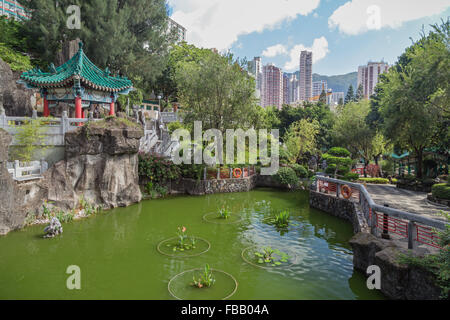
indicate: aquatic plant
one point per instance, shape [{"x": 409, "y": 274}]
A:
[
  {"x": 183, "y": 239},
  {"x": 224, "y": 213},
  {"x": 282, "y": 219},
  {"x": 205, "y": 280},
  {"x": 271, "y": 256}
]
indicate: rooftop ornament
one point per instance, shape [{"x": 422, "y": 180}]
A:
[{"x": 78, "y": 82}]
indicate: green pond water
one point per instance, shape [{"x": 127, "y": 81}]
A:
[{"x": 118, "y": 257}]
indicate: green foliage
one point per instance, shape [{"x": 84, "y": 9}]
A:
[
  {"x": 375, "y": 180},
  {"x": 438, "y": 264},
  {"x": 192, "y": 171},
  {"x": 300, "y": 139},
  {"x": 300, "y": 170},
  {"x": 339, "y": 152},
  {"x": 414, "y": 95},
  {"x": 287, "y": 176},
  {"x": 359, "y": 93},
  {"x": 224, "y": 213},
  {"x": 350, "y": 176},
  {"x": 30, "y": 140},
  {"x": 126, "y": 36},
  {"x": 173, "y": 126},
  {"x": 216, "y": 91},
  {"x": 184, "y": 242},
  {"x": 16, "y": 60},
  {"x": 441, "y": 191},
  {"x": 282, "y": 219},
  {"x": 206, "y": 280},
  {"x": 136, "y": 96},
  {"x": 157, "y": 170},
  {"x": 274, "y": 257},
  {"x": 350, "y": 97}
]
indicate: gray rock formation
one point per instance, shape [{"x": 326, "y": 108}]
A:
[
  {"x": 53, "y": 229},
  {"x": 398, "y": 281},
  {"x": 16, "y": 98},
  {"x": 101, "y": 166}
]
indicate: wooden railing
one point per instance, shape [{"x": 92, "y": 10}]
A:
[{"x": 383, "y": 220}]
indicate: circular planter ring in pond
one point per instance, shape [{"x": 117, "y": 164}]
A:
[
  {"x": 179, "y": 254},
  {"x": 202, "y": 293},
  {"x": 265, "y": 266},
  {"x": 217, "y": 220}
]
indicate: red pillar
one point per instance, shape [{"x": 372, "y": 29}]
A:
[
  {"x": 111, "y": 107},
  {"x": 78, "y": 108},
  {"x": 46, "y": 109}
]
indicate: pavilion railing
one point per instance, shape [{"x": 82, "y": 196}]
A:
[
  {"x": 384, "y": 220},
  {"x": 54, "y": 128}
]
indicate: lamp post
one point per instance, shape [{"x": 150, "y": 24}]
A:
[{"x": 159, "y": 98}]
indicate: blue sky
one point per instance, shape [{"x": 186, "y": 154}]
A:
[{"x": 342, "y": 34}]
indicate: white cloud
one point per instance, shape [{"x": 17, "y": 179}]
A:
[
  {"x": 358, "y": 16},
  {"x": 319, "y": 50},
  {"x": 219, "y": 23},
  {"x": 275, "y": 50}
]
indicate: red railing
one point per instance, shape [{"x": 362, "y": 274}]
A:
[
  {"x": 390, "y": 224},
  {"x": 428, "y": 236}
]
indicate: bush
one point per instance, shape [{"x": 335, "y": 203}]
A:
[
  {"x": 375, "y": 180},
  {"x": 287, "y": 176},
  {"x": 16, "y": 60},
  {"x": 351, "y": 176},
  {"x": 441, "y": 191},
  {"x": 157, "y": 170},
  {"x": 339, "y": 152},
  {"x": 342, "y": 171},
  {"x": 300, "y": 171}
]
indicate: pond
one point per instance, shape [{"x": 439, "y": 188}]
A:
[{"x": 117, "y": 252}]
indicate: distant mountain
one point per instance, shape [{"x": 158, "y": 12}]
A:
[{"x": 339, "y": 83}]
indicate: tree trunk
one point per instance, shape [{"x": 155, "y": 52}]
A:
[
  {"x": 365, "y": 168},
  {"x": 419, "y": 163}
]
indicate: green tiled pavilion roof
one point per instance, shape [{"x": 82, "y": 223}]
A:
[{"x": 78, "y": 67}]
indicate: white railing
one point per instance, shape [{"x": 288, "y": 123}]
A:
[
  {"x": 383, "y": 220},
  {"x": 26, "y": 171},
  {"x": 54, "y": 128}
]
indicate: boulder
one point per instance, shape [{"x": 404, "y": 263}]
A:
[
  {"x": 53, "y": 229},
  {"x": 17, "y": 100},
  {"x": 101, "y": 165}
]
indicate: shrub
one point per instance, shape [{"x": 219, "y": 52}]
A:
[
  {"x": 173, "y": 126},
  {"x": 157, "y": 170},
  {"x": 300, "y": 171},
  {"x": 441, "y": 191},
  {"x": 339, "y": 152},
  {"x": 287, "y": 176},
  {"x": 351, "y": 176},
  {"x": 16, "y": 60},
  {"x": 375, "y": 180}
]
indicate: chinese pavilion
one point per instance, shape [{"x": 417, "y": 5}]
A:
[{"x": 77, "y": 82}]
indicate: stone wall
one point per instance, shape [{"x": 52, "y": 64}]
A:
[
  {"x": 338, "y": 207},
  {"x": 398, "y": 281},
  {"x": 202, "y": 187}
]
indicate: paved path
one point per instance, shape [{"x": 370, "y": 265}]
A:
[{"x": 401, "y": 199}]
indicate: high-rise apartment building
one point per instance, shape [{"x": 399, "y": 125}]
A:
[
  {"x": 290, "y": 88},
  {"x": 179, "y": 30},
  {"x": 12, "y": 9},
  {"x": 255, "y": 69},
  {"x": 318, "y": 87},
  {"x": 336, "y": 98},
  {"x": 368, "y": 76},
  {"x": 272, "y": 87},
  {"x": 305, "y": 79}
]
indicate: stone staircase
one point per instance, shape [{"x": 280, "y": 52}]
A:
[{"x": 157, "y": 140}]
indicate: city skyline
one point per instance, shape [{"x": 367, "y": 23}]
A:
[{"x": 336, "y": 32}]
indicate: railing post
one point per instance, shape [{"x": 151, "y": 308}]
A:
[
  {"x": 338, "y": 190},
  {"x": 3, "y": 122},
  {"x": 91, "y": 116},
  {"x": 16, "y": 168},
  {"x": 64, "y": 123},
  {"x": 385, "y": 234},
  {"x": 231, "y": 173},
  {"x": 412, "y": 235},
  {"x": 204, "y": 173},
  {"x": 218, "y": 173},
  {"x": 34, "y": 114}
]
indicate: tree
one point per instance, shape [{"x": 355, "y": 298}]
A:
[
  {"x": 30, "y": 140},
  {"x": 300, "y": 139},
  {"x": 129, "y": 37},
  {"x": 352, "y": 132},
  {"x": 359, "y": 93},
  {"x": 323, "y": 97},
  {"x": 415, "y": 94},
  {"x": 217, "y": 91},
  {"x": 350, "y": 95}
]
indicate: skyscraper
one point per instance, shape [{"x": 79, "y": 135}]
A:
[
  {"x": 272, "y": 87},
  {"x": 178, "y": 29},
  {"x": 318, "y": 87},
  {"x": 255, "y": 69},
  {"x": 368, "y": 76},
  {"x": 12, "y": 9},
  {"x": 290, "y": 88},
  {"x": 305, "y": 80}
]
